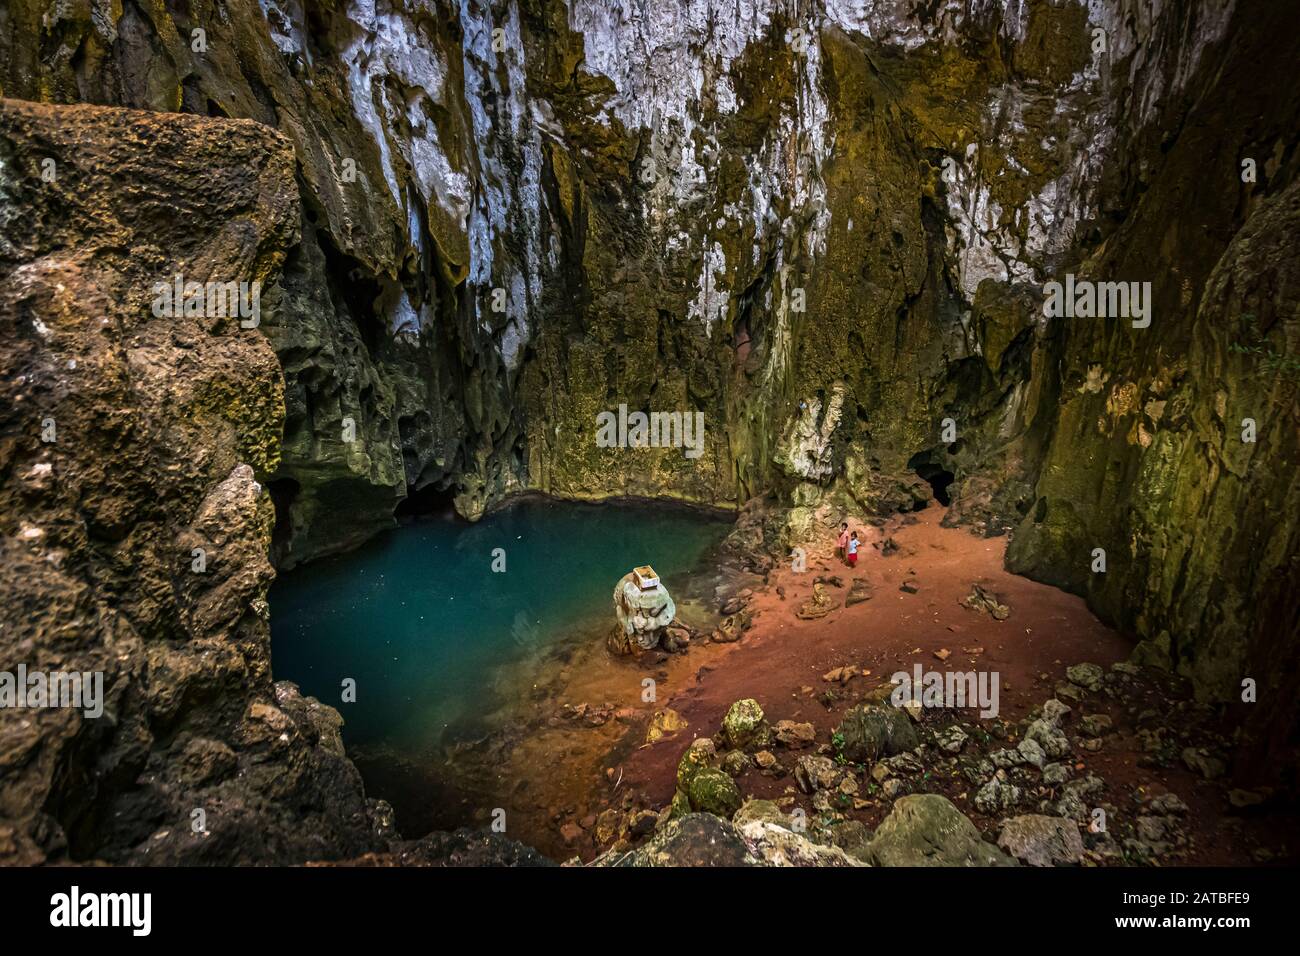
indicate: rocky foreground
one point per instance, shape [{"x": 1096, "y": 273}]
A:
[{"x": 1028, "y": 782}]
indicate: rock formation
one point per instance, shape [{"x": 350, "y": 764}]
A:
[
  {"x": 643, "y": 616},
  {"x": 136, "y": 526},
  {"x": 827, "y": 227}
]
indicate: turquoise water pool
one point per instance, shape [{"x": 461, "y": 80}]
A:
[{"x": 419, "y": 619}]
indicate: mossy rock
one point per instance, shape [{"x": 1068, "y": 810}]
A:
[
  {"x": 927, "y": 830},
  {"x": 700, "y": 754},
  {"x": 871, "y": 731},
  {"x": 713, "y": 791},
  {"x": 680, "y": 806},
  {"x": 765, "y": 811},
  {"x": 736, "y": 762},
  {"x": 744, "y": 727}
]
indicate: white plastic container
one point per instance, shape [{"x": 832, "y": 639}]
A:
[{"x": 645, "y": 577}]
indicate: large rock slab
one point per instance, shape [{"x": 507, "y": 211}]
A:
[
  {"x": 701, "y": 839},
  {"x": 927, "y": 830},
  {"x": 871, "y": 731},
  {"x": 1040, "y": 840},
  {"x": 137, "y": 442}
]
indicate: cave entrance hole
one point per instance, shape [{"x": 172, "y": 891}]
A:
[
  {"x": 426, "y": 501},
  {"x": 938, "y": 477}
]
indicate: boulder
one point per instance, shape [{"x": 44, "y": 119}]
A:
[
  {"x": 736, "y": 762},
  {"x": 700, "y": 754},
  {"x": 713, "y": 791},
  {"x": 701, "y": 839},
  {"x": 795, "y": 735},
  {"x": 777, "y": 845},
  {"x": 870, "y": 731},
  {"x": 1087, "y": 676},
  {"x": 997, "y": 795},
  {"x": 951, "y": 739},
  {"x": 1041, "y": 840},
  {"x": 695, "y": 839},
  {"x": 762, "y": 810},
  {"x": 814, "y": 773},
  {"x": 1203, "y": 762},
  {"x": 744, "y": 727},
  {"x": 927, "y": 830},
  {"x": 1095, "y": 725},
  {"x": 643, "y": 616}
]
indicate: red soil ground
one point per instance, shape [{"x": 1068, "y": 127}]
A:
[{"x": 561, "y": 773}]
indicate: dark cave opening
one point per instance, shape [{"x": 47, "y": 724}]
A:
[
  {"x": 426, "y": 502},
  {"x": 283, "y": 493},
  {"x": 938, "y": 477}
]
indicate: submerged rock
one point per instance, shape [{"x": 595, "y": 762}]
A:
[{"x": 664, "y": 723}]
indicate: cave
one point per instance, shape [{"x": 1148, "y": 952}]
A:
[
  {"x": 366, "y": 577},
  {"x": 937, "y": 477},
  {"x": 427, "y": 501}
]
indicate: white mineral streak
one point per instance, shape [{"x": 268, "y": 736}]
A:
[
  {"x": 1131, "y": 25},
  {"x": 662, "y": 56},
  {"x": 894, "y": 22},
  {"x": 404, "y": 319},
  {"x": 805, "y": 449},
  {"x": 285, "y": 18},
  {"x": 671, "y": 65},
  {"x": 359, "y": 57},
  {"x": 710, "y": 305},
  {"x": 389, "y": 46},
  {"x": 509, "y": 152},
  {"x": 984, "y": 238}
]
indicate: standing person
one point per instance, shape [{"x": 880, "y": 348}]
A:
[
  {"x": 842, "y": 542},
  {"x": 853, "y": 550}
]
